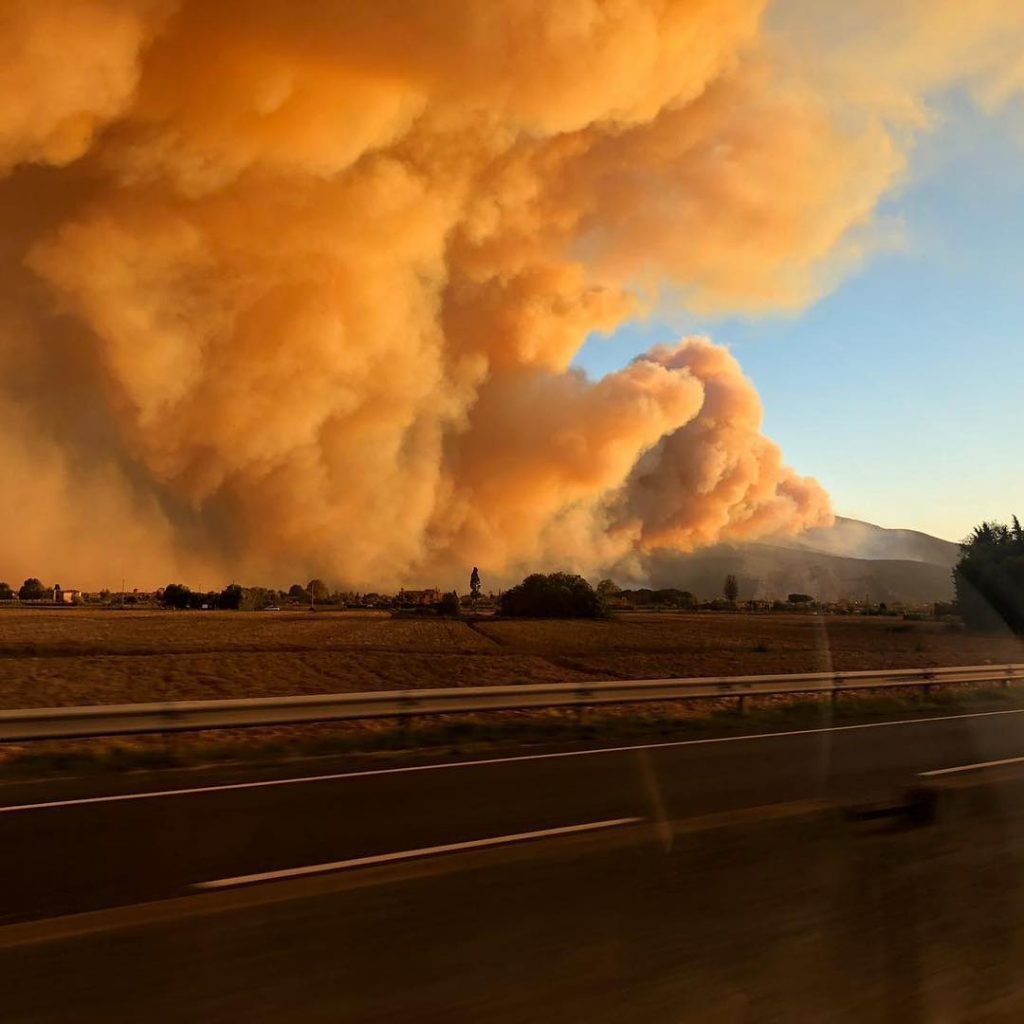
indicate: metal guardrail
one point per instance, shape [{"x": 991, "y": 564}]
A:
[{"x": 182, "y": 716}]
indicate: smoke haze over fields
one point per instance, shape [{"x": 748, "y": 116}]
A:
[{"x": 295, "y": 289}]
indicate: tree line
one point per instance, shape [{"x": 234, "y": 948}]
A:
[
  {"x": 31, "y": 590},
  {"x": 989, "y": 577},
  {"x": 557, "y": 594},
  {"x": 235, "y": 597}
]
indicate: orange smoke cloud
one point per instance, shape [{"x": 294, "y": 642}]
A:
[{"x": 299, "y": 290}]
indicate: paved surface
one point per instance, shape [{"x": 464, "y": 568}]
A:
[
  {"x": 79, "y": 856},
  {"x": 582, "y": 927}
]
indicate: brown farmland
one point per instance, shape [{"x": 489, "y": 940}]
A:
[{"x": 78, "y": 656}]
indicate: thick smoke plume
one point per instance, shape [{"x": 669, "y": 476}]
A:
[{"x": 296, "y": 287}]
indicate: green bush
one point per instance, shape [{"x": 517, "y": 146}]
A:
[
  {"x": 33, "y": 590},
  {"x": 989, "y": 577},
  {"x": 558, "y": 595},
  {"x": 176, "y": 595}
]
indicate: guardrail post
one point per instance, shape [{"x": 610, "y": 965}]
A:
[
  {"x": 582, "y": 709},
  {"x": 405, "y": 721},
  {"x": 837, "y": 688},
  {"x": 740, "y": 702}
]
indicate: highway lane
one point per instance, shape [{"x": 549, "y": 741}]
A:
[
  {"x": 92, "y": 849},
  {"x": 785, "y": 914},
  {"x": 606, "y": 936}
]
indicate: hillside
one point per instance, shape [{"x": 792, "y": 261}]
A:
[
  {"x": 851, "y": 538},
  {"x": 852, "y": 560}
]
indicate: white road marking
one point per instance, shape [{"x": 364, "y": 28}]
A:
[
  {"x": 423, "y": 851},
  {"x": 970, "y": 767},
  {"x": 113, "y": 798}
]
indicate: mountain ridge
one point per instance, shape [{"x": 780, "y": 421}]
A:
[
  {"x": 856, "y": 538},
  {"x": 852, "y": 560}
]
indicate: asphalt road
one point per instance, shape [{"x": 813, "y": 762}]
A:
[
  {"x": 79, "y": 846},
  {"x": 109, "y": 913}
]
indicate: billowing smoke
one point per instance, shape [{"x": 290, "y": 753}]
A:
[{"x": 293, "y": 288}]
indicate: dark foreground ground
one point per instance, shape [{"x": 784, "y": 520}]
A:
[{"x": 712, "y": 886}]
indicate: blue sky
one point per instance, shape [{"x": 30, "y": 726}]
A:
[{"x": 903, "y": 390}]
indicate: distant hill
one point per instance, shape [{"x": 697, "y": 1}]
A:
[
  {"x": 851, "y": 560},
  {"x": 851, "y": 538}
]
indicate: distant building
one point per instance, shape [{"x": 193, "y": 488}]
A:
[
  {"x": 62, "y": 596},
  {"x": 419, "y": 597}
]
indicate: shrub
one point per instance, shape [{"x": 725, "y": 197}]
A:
[
  {"x": 558, "y": 595},
  {"x": 176, "y": 595},
  {"x": 33, "y": 590},
  {"x": 989, "y": 577},
  {"x": 449, "y": 604},
  {"x": 670, "y": 597}
]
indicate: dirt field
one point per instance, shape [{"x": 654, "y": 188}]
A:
[{"x": 79, "y": 656}]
